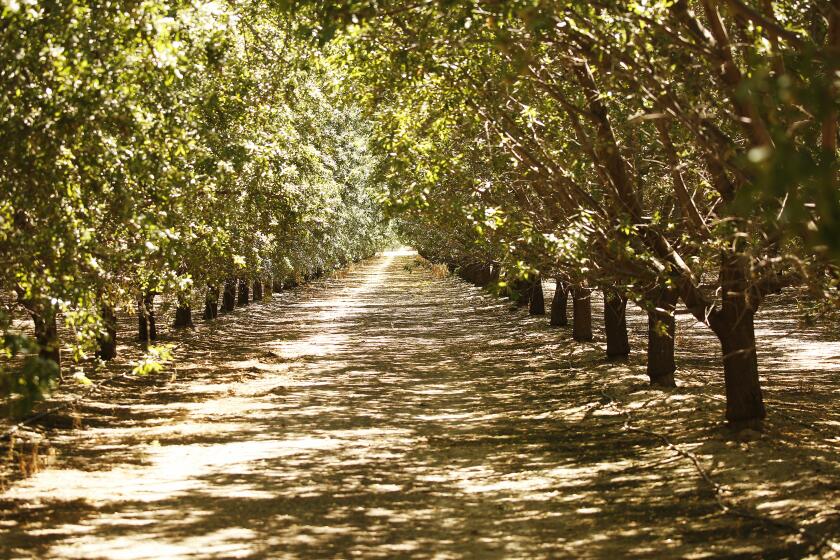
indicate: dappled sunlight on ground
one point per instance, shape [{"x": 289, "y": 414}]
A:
[
  {"x": 392, "y": 414},
  {"x": 401, "y": 252}
]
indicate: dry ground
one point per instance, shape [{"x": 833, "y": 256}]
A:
[{"x": 390, "y": 413}]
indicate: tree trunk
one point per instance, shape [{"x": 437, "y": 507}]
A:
[
  {"x": 559, "y": 305},
  {"x": 615, "y": 324},
  {"x": 537, "y": 304},
  {"x": 258, "y": 290},
  {"x": 242, "y": 299},
  {"x": 211, "y": 303},
  {"x": 44, "y": 319},
  {"x": 733, "y": 325},
  {"x": 481, "y": 274},
  {"x": 142, "y": 323},
  {"x": 46, "y": 334},
  {"x": 107, "y": 341},
  {"x": 276, "y": 285},
  {"x": 229, "y": 298},
  {"x": 582, "y": 314},
  {"x": 147, "y": 328},
  {"x": 519, "y": 291},
  {"x": 744, "y": 402},
  {"x": 471, "y": 273},
  {"x": 149, "y": 303},
  {"x": 661, "y": 332},
  {"x": 183, "y": 315}
]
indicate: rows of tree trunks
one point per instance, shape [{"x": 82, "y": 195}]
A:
[
  {"x": 661, "y": 364},
  {"x": 662, "y": 153},
  {"x": 164, "y": 149},
  {"x": 239, "y": 292}
]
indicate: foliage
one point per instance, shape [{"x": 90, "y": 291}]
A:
[
  {"x": 155, "y": 359},
  {"x": 583, "y": 135},
  {"x": 164, "y": 146},
  {"x": 649, "y": 148}
]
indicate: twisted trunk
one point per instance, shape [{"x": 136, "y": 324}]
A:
[{"x": 734, "y": 327}]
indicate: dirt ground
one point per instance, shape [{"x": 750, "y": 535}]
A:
[{"x": 390, "y": 413}]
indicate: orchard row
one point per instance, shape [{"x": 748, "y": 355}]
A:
[
  {"x": 667, "y": 152},
  {"x": 163, "y": 147}
]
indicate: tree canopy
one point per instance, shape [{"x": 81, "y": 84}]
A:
[
  {"x": 162, "y": 147},
  {"x": 661, "y": 151},
  {"x": 655, "y": 150}
]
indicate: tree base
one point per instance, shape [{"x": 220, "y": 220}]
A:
[
  {"x": 581, "y": 315},
  {"x": 183, "y": 318},
  {"x": 747, "y": 430},
  {"x": 559, "y": 305},
  {"x": 665, "y": 381},
  {"x": 243, "y": 295},
  {"x": 537, "y": 299},
  {"x": 229, "y": 297}
]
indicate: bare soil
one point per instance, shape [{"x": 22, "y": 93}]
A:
[{"x": 390, "y": 413}]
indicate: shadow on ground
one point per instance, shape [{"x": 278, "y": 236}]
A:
[{"x": 391, "y": 414}]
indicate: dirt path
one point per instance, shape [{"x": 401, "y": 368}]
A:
[{"x": 391, "y": 414}]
